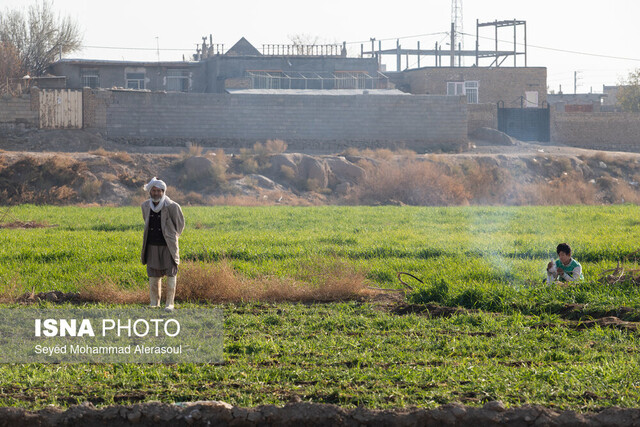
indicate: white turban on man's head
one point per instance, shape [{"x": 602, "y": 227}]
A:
[{"x": 155, "y": 182}]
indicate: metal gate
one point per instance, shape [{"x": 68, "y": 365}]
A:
[
  {"x": 525, "y": 124},
  {"x": 60, "y": 109}
]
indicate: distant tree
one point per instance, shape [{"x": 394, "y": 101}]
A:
[
  {"x": 629, "y": 92},
  {"x": 303, "y": 42},
  {"x": 304, "y": 39},
  {"x": 39, "y": 34},
  {"x": 10, "y": 63}
]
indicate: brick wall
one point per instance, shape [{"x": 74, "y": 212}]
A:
[
  {"x": 599, "y": 131},
  {"x": 505, "y": 84},
  {"x": 18, "y": 111},
  {"x": 303, "y": 121}
]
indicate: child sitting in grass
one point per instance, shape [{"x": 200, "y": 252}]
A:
[{"x": 565, "y": 268}]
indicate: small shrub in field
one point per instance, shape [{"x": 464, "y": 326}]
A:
[
  {"x": 193, "y": 198},
  {"x": 193, "y": 150},
  {"x": 123, "y": 156},
  {"x": 613, "y": 190},
  {"x": 274, "y": 146},
  {"x": 61, "y": 169},
  {"x": 412, "y": 182},
  {"x": 313, "y": 185},
  {"x": 564, "y": 165},
  {"x": 271, "y": 146},
  {"x": 90, "y": 190},
  {"x": 601, "y": 156},
  {"x": 62, "y": 194},
  {"x": 570, "y": 189},
  {"x": 485, "y": 183},
  {"x": 249, "y": 165},
  {"x": 288, "y": 172},
  {"x": 211, "y": 175},
  {"x": 99, "y": 152},
  {"x": 139, "y": 196}
]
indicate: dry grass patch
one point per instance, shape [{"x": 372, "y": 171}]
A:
[
  {"x": 323, "y": 281},
  {"x": 106, "y": 290},
  {"x": 193, "y": 150},
  {"x": 412, "y": 182},
  {"x": 122, "y": 156},
  {"x": 12, "y": 291},
  {"x": 568, "y": 190},
  {"x": 378, "y": 153}
]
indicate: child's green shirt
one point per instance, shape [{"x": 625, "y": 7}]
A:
[{"x": 573, "y": 270}]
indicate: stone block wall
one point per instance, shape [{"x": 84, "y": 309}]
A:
[
  {"x": 598, "y": 131},
  {"x": 18, "y": 111},
  {"x": 303, "y": 121},
  {"x": 94, "y": 108},
  {"x": 482, "y": 116}
]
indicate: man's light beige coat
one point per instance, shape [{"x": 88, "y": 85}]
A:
[{"x": 172, "y": 224}]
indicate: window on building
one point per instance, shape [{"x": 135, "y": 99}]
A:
[
  {"x": 455, "y": 88},
  {"x": 90, "y": 77},
  {"x": 135, "y": 80},
  {"x": 469, "y": 88},
  {"x": 178, "y": 80}
]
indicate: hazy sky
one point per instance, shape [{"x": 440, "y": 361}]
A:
[{"x": 598, "y": 39}]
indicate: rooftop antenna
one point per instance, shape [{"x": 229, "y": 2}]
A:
[
  {"x": 457, "y": 28},
  {"x": 158, "y": 47}
]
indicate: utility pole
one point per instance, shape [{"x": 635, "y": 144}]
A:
[
  {"x": 575, "y": 81},
  {"x": 453, "y": 45}
]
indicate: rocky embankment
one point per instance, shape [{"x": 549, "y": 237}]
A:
[{"x": 43, "y": 168}]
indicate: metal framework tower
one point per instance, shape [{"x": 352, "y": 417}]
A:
[{"x": 457, "y": 29}]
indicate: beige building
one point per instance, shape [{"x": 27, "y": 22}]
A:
[{"x": 514, "y": 86}]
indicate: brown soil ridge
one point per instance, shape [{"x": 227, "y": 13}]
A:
[{"x": 310, "y": 414}]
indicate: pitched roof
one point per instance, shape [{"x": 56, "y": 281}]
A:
[{"x": 243, "y": 48}]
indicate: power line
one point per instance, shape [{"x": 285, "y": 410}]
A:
[
  {"x": 170, "y": 49},
  {"x": 131, "y": 48},
  {"x": 392, "y": 38},
  {"x": 400, "y": 38},
  {"x": 561, "y": 50}
]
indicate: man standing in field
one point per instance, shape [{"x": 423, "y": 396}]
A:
[{"x": 163, "y": 224}]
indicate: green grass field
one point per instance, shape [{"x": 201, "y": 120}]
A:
[{"x": 516, "y": 348}]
